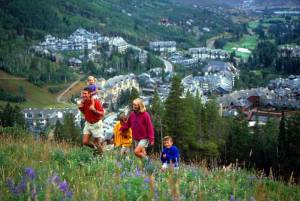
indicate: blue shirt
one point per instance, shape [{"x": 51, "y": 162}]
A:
[{"x": 172, "y": 155}]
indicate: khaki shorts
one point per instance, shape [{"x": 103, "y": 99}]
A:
[
  {"x": 96, "y": 129},
  {"x": 143, "y": 143}
]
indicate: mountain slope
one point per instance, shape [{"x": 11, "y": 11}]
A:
[{"x": 135, "y": 20}]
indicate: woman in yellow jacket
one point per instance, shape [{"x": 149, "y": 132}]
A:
[{"x": 122, "y": 139}]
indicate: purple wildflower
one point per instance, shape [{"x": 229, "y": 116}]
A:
[
  {"x": 137, "y": 172},
  {"x": 55, "y": 179},
  {"x": 12, "y": 188},
  {"x": 231, "y": 198},
  {"x": 23, "y": 185},
  {"x": 69, "y": 194},
  {"x": 147, "y": 180},
  {"x": 63, "y": 186},
  {"x": 30, "y": 173}
]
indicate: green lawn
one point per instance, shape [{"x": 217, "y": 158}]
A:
[
  {"x": 248, "y": 42},
  {"x": 37, "y": 97},
  {"x": 253, "y": 24}
]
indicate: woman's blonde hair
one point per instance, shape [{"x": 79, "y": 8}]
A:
[{"x": 140, "y": 102}]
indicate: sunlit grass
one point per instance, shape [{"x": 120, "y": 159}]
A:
[{"x": 112, "y": 177}]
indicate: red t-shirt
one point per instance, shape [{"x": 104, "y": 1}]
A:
[{"x": 89, "y": 115}]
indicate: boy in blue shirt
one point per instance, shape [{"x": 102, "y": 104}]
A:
[{"x": 170, "y": 154}]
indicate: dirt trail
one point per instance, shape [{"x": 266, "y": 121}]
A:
[{"x": 59, "y": 97}]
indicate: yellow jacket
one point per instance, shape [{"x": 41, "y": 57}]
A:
[{"x": 122, "y": 139}]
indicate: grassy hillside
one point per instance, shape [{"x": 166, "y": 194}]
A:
[
  {"x": 50, "y": 171},
  {"x": 38, "y": 97}
]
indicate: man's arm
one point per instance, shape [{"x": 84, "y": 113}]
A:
[{"x": 98, "y": 109}]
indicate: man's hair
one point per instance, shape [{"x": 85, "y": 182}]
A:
[
  {"x": 140, "y": 102},
  {"x": 88, "y": 89},
  {"x": 166, "y": 138}
]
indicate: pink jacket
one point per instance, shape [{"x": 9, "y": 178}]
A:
[{"x": 141, "y": 126}]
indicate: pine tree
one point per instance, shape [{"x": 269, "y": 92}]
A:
[
  {"x": 156, "y": 111},
  {"x": 173, "y": 108},
  {"x": 198, "y": 109},
  {"x": 70, "y": 131},
  {"x": 292, "y": 146},
  {"x": 269, "y": 144},
  {"x": 238, "y": 144},
  {"x": 187, "y": 139},
  {"x": 134, "y": 93},
  {"x": 58, "y": 131},
  {"x": 282, "y": 145}
]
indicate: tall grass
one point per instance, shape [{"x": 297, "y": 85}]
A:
[{"x": 58, "y": 171}]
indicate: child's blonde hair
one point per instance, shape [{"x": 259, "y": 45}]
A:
[
  {"x": 122, "y": 117},
  {"x": 140, "y": 102},
  {"x": 91, "y": 78}
]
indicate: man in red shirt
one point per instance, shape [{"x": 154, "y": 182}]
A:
[{"x": 93, "y": 115}]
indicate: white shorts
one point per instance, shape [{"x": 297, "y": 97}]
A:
[
  {"x": 96, "y": 129},
  {"x": 143, "y": 143}
]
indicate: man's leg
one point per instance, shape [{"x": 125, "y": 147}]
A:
[
  {"x": 98, "y": 143},
  {"x": 86, "y": 141}
]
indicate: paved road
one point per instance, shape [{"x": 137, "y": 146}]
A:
[{"x": 168, "y": 65}]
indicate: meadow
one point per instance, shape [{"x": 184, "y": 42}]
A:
[
  {"x": 36, "y": 97},
  {"x": 47, "y": 170}
]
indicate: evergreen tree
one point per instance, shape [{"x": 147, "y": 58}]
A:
[
  {"x": 134, "y": 93},
  {"x": 58, "y": 131},
  {"x": 282, "y": 144},
  {"x": 70, "y": 132},
  {"x": 156, "y": 111},
  {"x": 187, "y": 139},
  {"x": 292, "y": 146},
  {"x": 11, "y": 116},
  {"x": 269, "y": 143},
  {"x": 238, "y": 141},
  {"x": 173, "y": 108}
]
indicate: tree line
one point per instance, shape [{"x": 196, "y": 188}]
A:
[{"x": 201, "y": 133}]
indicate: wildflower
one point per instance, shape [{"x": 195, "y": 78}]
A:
[
  {"x": 63, "y": 186},
  {"x": 12, "y": 188},
  {"x": 231, "y": 198},
  {"x": 137, "y": 172},
  {"x": 55, "y": 179},
  {"x": 23, "y": 185},
  {"x": 30, "y": 173},
  {"x": 147, "y": 180}
]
